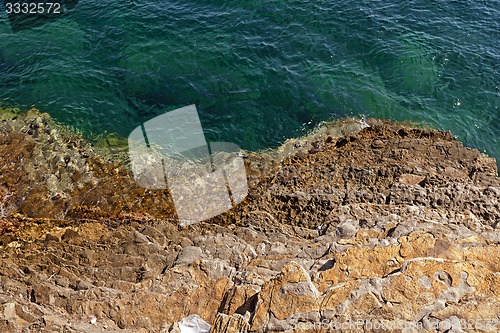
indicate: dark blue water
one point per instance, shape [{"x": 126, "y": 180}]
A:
[{"x": 261, "y": 71}]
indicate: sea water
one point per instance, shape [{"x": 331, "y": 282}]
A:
[{"x": 261, "y": 71}]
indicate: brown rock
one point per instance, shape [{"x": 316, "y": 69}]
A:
[
  {"x": 230, "y": 324},
  {"x": 378, "y": 144},
  {"x": 345, "y": 234},
  {"x": 410, "y": 179},
  {"x": 290, "y": 292}
]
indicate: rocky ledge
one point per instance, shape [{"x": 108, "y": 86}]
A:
[{"x": 359, "y": 227}]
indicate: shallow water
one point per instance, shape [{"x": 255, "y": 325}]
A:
[{"x": 261, "y": 71}]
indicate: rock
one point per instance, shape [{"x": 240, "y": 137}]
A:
[
  {"x": 51, "y": 238},
  {"x": 359, "y": 233},
  {"x": 347, "y": 228},
  {"x": 189, "y": 255},
  {"x": 230, "y": 324},
  {"x": 290, "y": 292},
  {"x": 409, "y": 179},
  {"x": 377, "y": 144},
  {"x": 69, "y": 234}
]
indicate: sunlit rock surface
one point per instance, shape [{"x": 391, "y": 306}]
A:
[{"x": 377, "y": 228}]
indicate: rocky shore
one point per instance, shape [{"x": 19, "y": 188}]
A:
[{"x": 359, "y": 227}]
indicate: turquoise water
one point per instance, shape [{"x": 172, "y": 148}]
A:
[{"x": 262, "y": 71}]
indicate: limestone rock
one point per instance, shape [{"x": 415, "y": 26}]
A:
[
  {"x": 387, "y": 228},
  {"x": 230, "y": 324},
  {"x": 290, "y": 292}
]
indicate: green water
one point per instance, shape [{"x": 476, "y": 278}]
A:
[{"x": 261, "y": 71}]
